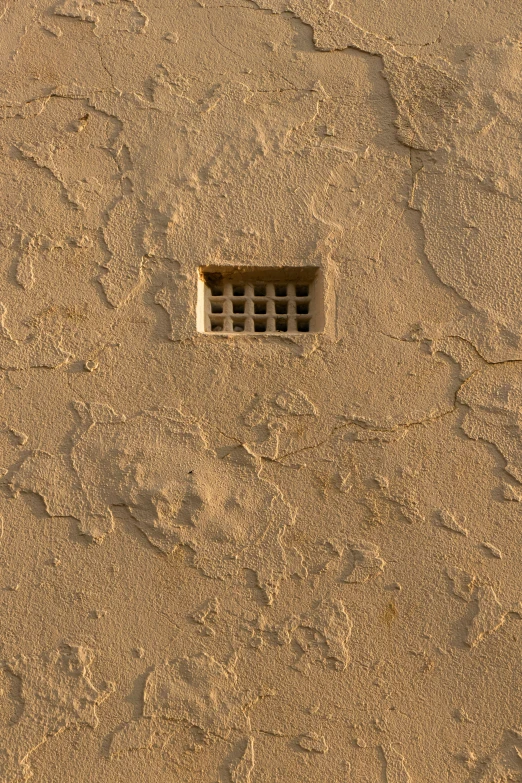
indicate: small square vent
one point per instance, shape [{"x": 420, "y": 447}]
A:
[{"x": 260, "y": 300}]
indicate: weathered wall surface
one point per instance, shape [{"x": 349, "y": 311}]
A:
[{"x": 277, "y": 559}]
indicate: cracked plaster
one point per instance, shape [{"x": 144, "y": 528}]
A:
[{"x": 283, "y": 559}]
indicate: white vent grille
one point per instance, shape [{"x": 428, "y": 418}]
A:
[{"x": 259, "y": 301}]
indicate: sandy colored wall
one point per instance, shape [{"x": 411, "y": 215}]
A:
[{"x": 272, "y": 559}]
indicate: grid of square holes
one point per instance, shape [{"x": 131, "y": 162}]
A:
[{"x": 258, "y": 307}]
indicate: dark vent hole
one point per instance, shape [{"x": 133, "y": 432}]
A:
[
  {"x": 280, "y": 290},
  {"x": 302, "y": 308},
  {"x": 260, "y": 290},
  {"x": 281, "y": 325},
  {"x": 216, "y": 326},
  {"x": 303, "y": 326},
  {"x": 238, "y": 290},
  {"x": 216, "y": 307},
  {"x": 216, "y": 290},
  {"x": 301, "y": 290},
  {"x": 259, "y": 326},
  {"x": 238, "y": 307},
  {"x": 281, "y": 308},
  {"x": 238, "y": 326},
  {"x": 260, "y": 308}
]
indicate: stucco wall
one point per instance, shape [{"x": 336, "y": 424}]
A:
[{"x": 260, "y": 559}]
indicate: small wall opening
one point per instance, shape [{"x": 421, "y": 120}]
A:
[{"x": 260, "y": 300}]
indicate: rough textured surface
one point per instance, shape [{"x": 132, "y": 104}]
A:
[{"x": 260, "y": 559}]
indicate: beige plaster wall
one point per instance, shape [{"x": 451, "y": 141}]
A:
[{"x": 288, "y": 559}]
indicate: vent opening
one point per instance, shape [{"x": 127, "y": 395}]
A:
[{"x": 260, "y": 300}]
